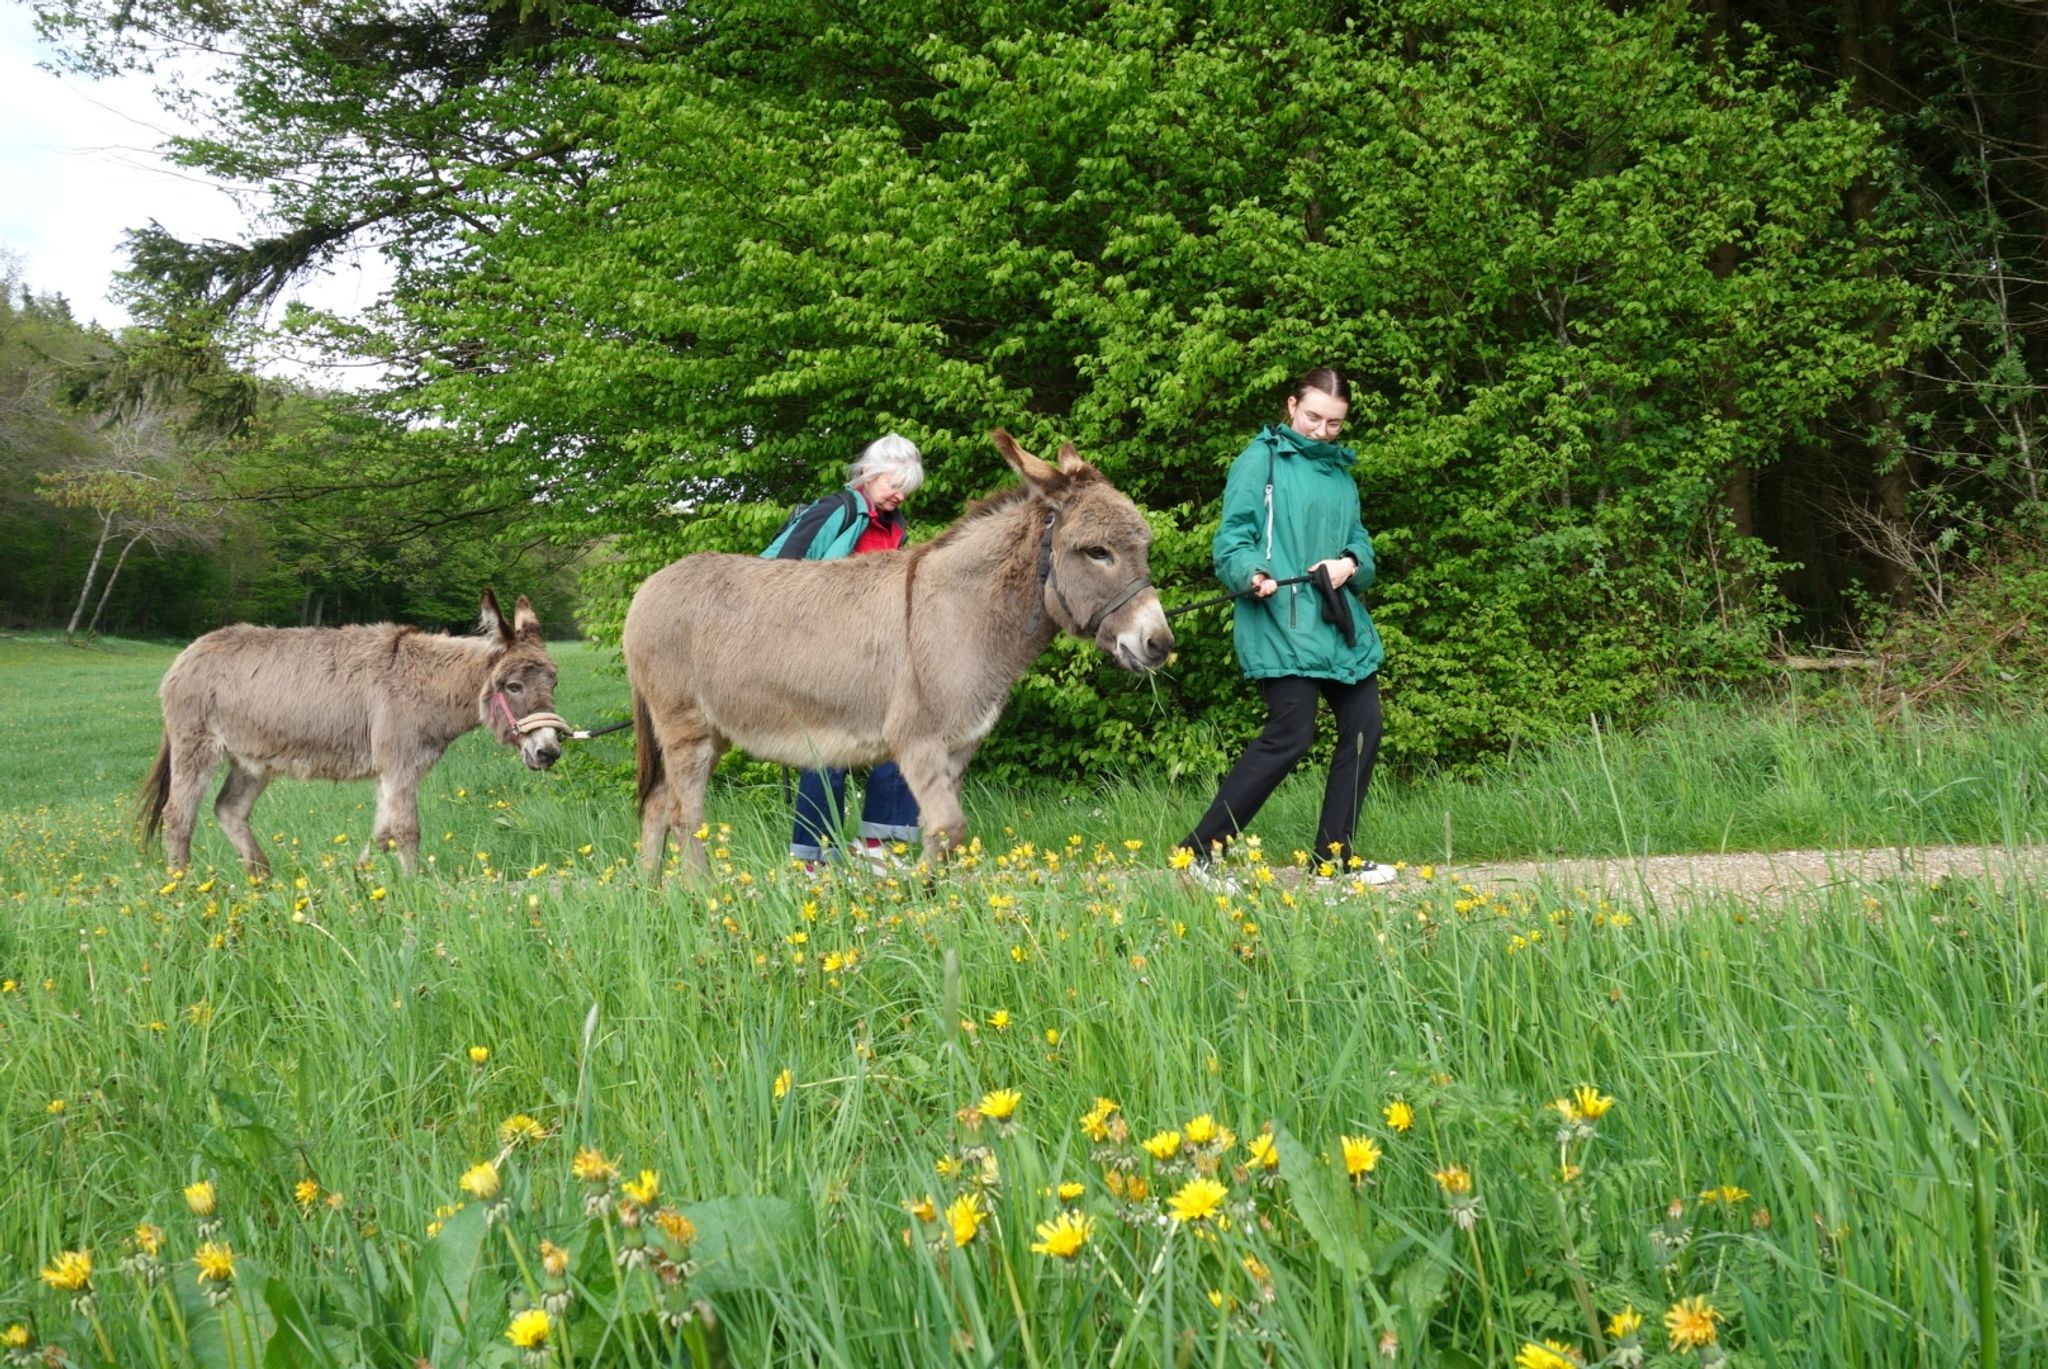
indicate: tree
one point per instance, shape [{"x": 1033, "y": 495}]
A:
[
  {"x": 141, "y": 485},
  {"x": 1594, "y": 261}
]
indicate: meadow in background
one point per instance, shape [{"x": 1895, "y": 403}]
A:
[{"x": 1055, "y": 1107}]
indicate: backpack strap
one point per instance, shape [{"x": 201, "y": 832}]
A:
[{"x": 810, "y": 521}]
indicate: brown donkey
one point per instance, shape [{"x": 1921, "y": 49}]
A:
[
  {"x": 340, "y": 703},
  {"x": 908, "y": 654}
]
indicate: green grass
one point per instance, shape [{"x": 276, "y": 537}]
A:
[{"x": 1865, "y": 1064}]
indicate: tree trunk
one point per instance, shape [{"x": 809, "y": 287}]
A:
[
  {"x": 112, "y": 575},
  {"x": 91, "y": 573}
]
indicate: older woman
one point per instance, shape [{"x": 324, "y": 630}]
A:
[
  {"x": 1290, "y": 509},
  {"x": 864, "y": 516}
]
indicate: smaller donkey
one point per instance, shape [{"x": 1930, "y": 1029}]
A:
[{"x": 341, "y": 703}]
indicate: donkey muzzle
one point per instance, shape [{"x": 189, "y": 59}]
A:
[
  {"x": 1142, "y": 641},
  {"x": 540, "y": 749},
  {"x": 540, "y": 739}
]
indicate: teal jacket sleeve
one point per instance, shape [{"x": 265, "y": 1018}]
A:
[{"x": 1240, "y": 546}]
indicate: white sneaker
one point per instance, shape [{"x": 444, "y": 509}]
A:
[
  {"x": 1216, "y": 881},
  {"x": 1370, "y": 873},
  {"x": 877, "y": 858}
]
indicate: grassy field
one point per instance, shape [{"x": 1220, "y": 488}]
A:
[{"x": 846, "y": 1116}]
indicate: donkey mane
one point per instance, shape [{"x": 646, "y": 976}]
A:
[{"x": 991, "y": 505}]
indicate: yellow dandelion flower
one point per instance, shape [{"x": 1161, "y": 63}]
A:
[
  {"x": 149, "y": 1239},
  {"x": 646, "y": 1190},
  {"x": 1095, "y": 1121},
  {"x": 964, "y": 1217},
  {"x": 1361, "y": 1154},
  {"x": 554, "y": 1260},
  {"x": 591, "y": 1166},
  {"x": 1590, "y": 1102},
  {"x": 1690, "y": 1323},
  {"x": 201, "y": 1198},
  {"x": 479, "y": 1054},
  {"x": 521, "y": 1130},
  {"x": 1202, "y": 1130},
  {"x": 216, "y": 1262},
  {"x": 676, "y": 1226},
  {"x": 1070, "y": 1190},
  {"x": 1000, "y": 1019},
  {"x": 529, "y": 1330},
  {"x": 1162, "y": 1145},
  {"x": 1625, "y": 1323},
  {"x": 1263, "y": 1153},
  {"x": 1545, "y": 1356},
  {"x": 924, "y": 1209},
  {"x": 1454, "y": 1179},
  {"x": 307, "y": 1192},
  {"x": 1400, "y": 1116},
  {"x": 1000, "y": 1104},
  {"x": 70, "y": 1272},
  {"x": 1198, "y": 1200},
  {"x": 56, "y": 1105},
  {"x": 1728, "y": 1194},
  {"x": 15, "y": 1337},
  {"x": 1137, "y": 1188},
  {"x": 1063, "y": 1236},
  {"x": 1181, "y": 859},
  {"x": 481, "y": 1181},
  {"x": 782, "y": 1083}
]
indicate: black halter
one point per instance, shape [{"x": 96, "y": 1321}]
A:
[{"x": 1047, "y": 580}]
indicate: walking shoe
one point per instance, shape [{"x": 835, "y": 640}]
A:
[
  {"x": 875, "y": 855},
  {"x": 1336, "y": 888},
  {"x": 1205, "y": 875}
]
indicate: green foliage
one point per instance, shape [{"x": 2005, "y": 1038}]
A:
[
  {"x": 1583, "y": 270},
  {"x": 665, "y": 270},
  {"x": 1981, "y": 646}
]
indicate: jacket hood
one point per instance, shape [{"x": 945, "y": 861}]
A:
[{"x": 1289, "y": 442}]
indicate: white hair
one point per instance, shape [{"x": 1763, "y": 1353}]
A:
[{"x": 892, "y": 455}]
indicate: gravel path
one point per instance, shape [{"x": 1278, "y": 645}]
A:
[{"x": 1756, "y": 875}]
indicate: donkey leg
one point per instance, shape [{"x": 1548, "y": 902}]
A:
[
  {"x": 677, "y": 804},
  {"x": 398, "y": 820},
  {"x": 192, "y": 764},
  {"x": 934, "y": 776},
  {"x": 237, "y": 797}
]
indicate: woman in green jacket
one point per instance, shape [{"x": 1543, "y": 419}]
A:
[{"x": 1290, "y": 509}]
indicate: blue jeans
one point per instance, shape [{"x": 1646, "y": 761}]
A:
[{"x": 888, "y": 813}]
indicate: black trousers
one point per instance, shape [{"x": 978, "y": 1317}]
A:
[{"x": 1290, "y": 732}]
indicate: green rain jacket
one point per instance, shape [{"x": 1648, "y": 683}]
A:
[{"x": 1313, "y": 515}]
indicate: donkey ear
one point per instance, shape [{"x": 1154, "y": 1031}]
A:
[
  {"x": 491, "y": 618},
  {"x": 525, "y": 622},
  {"x": 1034, "y": 471},
  {"x": 1070, "y": 460}
]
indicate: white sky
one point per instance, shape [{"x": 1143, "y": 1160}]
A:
[{"x": 78, "y": 166}]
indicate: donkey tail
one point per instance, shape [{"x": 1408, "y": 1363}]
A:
[
  {"x": 646, "y": 752},
  {"x": 156, "y": 792}
]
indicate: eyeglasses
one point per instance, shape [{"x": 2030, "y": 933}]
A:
[{"x": 1311, "y": 427}]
